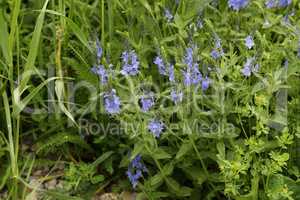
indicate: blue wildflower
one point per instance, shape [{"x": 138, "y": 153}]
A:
[
  {"x": 249, "y": 67},
  {"x": 218, "y": 44},
  {"x": 215, "y": 54},
  {"x": 192, "y": 75},
  {"x": 196, "y": 74},
  {"x": 99, "y": 50},
  {"x": 135, "y": 169},
  {"x": 284, "y": 3},
  {"x": 134, "y": 177},
  {"x": 205, "y": 83},
  {"x": 168, "y": 15},
  {"x": 160, "y": 64},
  {"x": 277, "y": 3},
  {"x": 249, "y": 42},
  {"x": 101, "y": 72},
  {"x": 156, "y": 127},
  {"x": 238, "y": 4},
  {"x": 255, "y": 68},
  {"x": 147, "y": 102},
  {"x": 130, "y": 63},
  {"x": 199, "y": 23},
  {"x": 136, "y": 163},
  {"x": 271, "y": 4},
  {"x": 188, "y": 59},
  {"x": 286, "y": 64},
  {"x": 112, "y": 102},
  {"x": 246, "y": 71},
  {"x": 171, "y": 73},
  {"x": 176, "y": 96}
]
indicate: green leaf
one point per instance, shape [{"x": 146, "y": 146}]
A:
[
  {"x": 161, "y": 154},
  {"x": 4, "y": 37},
  {"x": 97, "y": 179},
  {"x": 156, "y": 180},
  {"x": 34, "y": 47},
  {"x": 168, "y": 169},
  {"x": 102, "y": 158},
  {"x": 79, "y": 33},
  {"x": 175, "y": 187},
  {"x": 184, "y": 149}
]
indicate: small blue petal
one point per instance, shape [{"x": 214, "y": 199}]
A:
[
  {"x": 237, "y": 4},
  {"x": 147, "y": 102},
  {"x": 160, "y": 64},
  {"x": 156, "y": 127},
  {"x": 205, "y": 83},
  {"x": 168, "y": 15},
  {"x": 101, "y": 72},
  {"x": 112, "y": 102},
  {"x": 176, "y": 96},
  {"x": 130, "y": 63},
  {"x": 249, "y": 42}
]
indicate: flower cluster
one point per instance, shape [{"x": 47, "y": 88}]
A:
[
  {"x": 100, "y": 69},
  {"x": 238, "y": 4},
  {"x": 278, "y": 3},
  {"x": 217, "y": 52},
  {"x": 101, "y": 72},
  {"x": 130, "y": 63},
  {"x": 249, "y": 42},
  {"x": 176, "y": 96},
  {"x": 112, "y": 102},
  {"x": 156, "y": 127},
  {"x": 135, "y": 170},
  {"x": 250, "y": 67},
  {"x": 191, "y": 75},
  {"x": 160, "y": 64},
  {"x": 147, "y": 101},
  {"x": 168, "y": 15}
]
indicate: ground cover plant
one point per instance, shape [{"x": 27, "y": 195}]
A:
[{"x": 164, "y": 99}]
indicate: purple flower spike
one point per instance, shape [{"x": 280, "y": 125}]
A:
[
  {"x": 160, "y": 64},
  {"x": 215, "y": 54},
  {"x": 271, "y": 4},
  {"x": 249, "y": 42},
  {"x": 284, "y": 3},
  {"x": 101, "y": 72},
  {"x": 99, "y": 50},
  {"x": 205, "y": 83},
  {"x": 112, "y": 102},
  {"x": 156, "y": 127},
  {"x": 135, "y": 169},
  {"x": 147, "y": 102},
  {"x": 188, "y": 59},
  {"x": 168, "y": 15},
  {"x": 277, "y": 3},
  {"x": 130, "y": 63},
  {"x": 171, "y": 74},
  {"x": 249, "y": 67},
  {"x": 196, "y": 74},
  {"x": 199, "y": 24},
  {"x": 237, "y": 4},
  {"x": 246, "y": 71},
  {"x": 191, "y": 75},
  {"x": 176, "y": 96}
]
